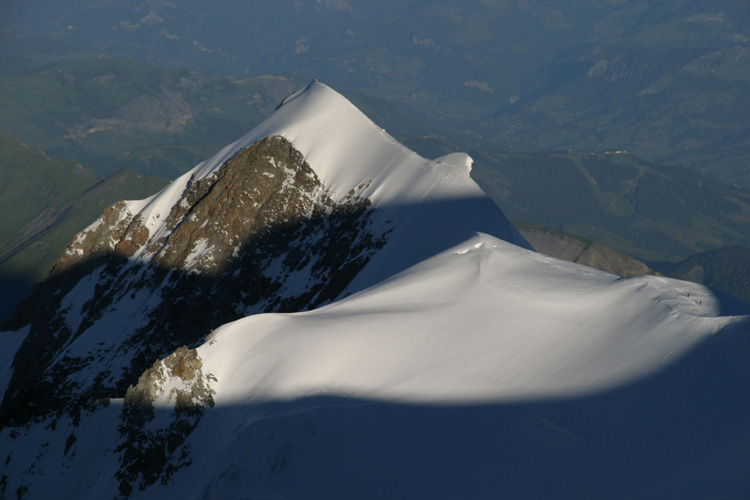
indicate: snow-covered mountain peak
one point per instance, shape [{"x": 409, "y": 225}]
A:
[
  {"x": 345, "y": 149},
  {"x": 314, "y": 204},
  {"x": 316, "y": 302},
  {"x": 350, "y": 157}
]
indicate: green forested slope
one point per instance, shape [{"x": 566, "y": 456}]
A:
[
  {"x": 726, "y": 269},
  {"x": 35, "y": 190},
  {"x": 43, "y": 202},
  {"x": 112, "y": 113}
]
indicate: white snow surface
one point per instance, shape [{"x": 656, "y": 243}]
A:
[
  {"x": 301, "y": 399},
  {"x": 464, "y": 366},
  {"x": 485, "y": 321},
  {"x": 346, "y": 149},
  {"x": 427, "y": 206},
  {"x": 487, "y": 368}
]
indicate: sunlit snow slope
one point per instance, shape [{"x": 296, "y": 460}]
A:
[
  {"x": 456, "y": 363},
  {"x": 487, "y": 371},
  {"x": 484, "y": 321},
  {"x": 314, "y": 204}
]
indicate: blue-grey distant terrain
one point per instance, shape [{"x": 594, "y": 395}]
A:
[{"x": 664, "y": 80}]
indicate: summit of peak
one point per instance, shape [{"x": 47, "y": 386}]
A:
[
  {"x": 351, "y": 154},
  {"x": 314, "y": 204},
  {"x": 346, "y": 149}
]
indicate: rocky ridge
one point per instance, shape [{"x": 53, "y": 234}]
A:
[
  {"x": 260, "y": 234},
  {"x": 148, "y": 448}
]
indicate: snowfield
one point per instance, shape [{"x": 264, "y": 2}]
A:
[
  {"x": 485, "y": 371},
  {"x": 459, "y": 364},
  {"x": 483, "y": 322}
]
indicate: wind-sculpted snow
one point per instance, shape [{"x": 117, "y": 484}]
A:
[{"x": 317, "y": 311}]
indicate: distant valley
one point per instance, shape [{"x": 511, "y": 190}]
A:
[
  {"x": 110, "y": 113},
  {"x": 44, "y": 202},
  {"x": 665, "y": 81}
]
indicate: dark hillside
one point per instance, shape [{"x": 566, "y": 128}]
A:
[
  {"x": 113, "y": 113},
  {"x": 44, "y": 201},
  {"x": 726, "y": 269},
  {"x": 652, "y": 212},
  {"x": 649, "y": 211}
]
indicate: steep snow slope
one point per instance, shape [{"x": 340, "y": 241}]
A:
[
  {"x": 450, "y": 360},
  {"x": 346, "y": 150}
]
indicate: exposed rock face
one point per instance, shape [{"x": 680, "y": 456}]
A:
[
  {"x": 148, "y": 449},
  {"x": 261, "y": 234},
  {"x": 587, "y": 253},
  {"x": 182, "y": 366}
]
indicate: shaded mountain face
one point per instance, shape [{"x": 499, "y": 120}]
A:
[{"x": 261, "y": 234}]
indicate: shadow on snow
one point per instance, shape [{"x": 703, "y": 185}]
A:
[{"x": 681, "y": 433}]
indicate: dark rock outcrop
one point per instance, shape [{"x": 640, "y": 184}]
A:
[{"x": 154, "y": 451}]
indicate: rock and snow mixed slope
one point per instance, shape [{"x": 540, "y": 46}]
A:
[
  {"x": 450, "y": 360},
  {"x": 314, "y": 204}
]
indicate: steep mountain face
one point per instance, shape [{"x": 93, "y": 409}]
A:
[
  {"x": 283, "y": 318},
  {"x": 260, "y": 234}
]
